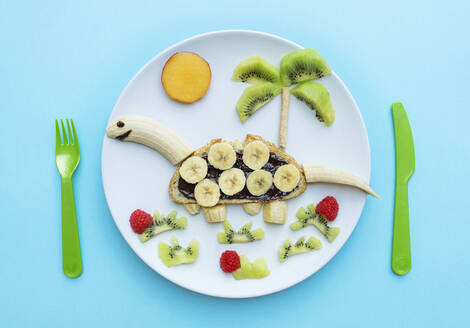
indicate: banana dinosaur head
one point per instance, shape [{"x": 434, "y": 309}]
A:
[
  {"x": 152, "y": 134},
  {"x": 119, "y": 128}
]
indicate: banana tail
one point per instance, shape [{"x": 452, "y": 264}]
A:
[{"x": 315, "y": 173}]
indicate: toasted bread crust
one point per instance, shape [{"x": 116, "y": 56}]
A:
[{"x": 179, "y": 198}]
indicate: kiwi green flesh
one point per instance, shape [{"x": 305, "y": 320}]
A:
[
  {"x": 303, "y": 65},
  {"x": 255, "y": 70},
  {"x": 313, "y": 243},
  {"x": 301, "y": 223},
  {"x": 176, "y": 255},
  {"x": 162, "y": 224},
  {"x": 304, "y": 217},
  {"x": 288, "y": 249},
  {"x": 238, "y": 237},
  {"x": 244, "y": 235},
  {"x": 247, "y": 270},
  {"x": 308, "y": 216},
  {"x": 254, "y": 97},
  {"x": 316, "y": 96},
  {"x": 260, "y": 268},
  {"x": 321, "y": 224},
  {"x": 152, "y": 231}
]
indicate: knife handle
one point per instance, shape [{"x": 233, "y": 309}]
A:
[{"x": 401, "y": 252}]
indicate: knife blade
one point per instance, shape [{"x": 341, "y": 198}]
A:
[{"x": 405, "y": 166}]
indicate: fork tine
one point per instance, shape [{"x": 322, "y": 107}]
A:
[
  {"x": 63, "y": 132},
  {"x": 57, "y": 134},
  {"x": 75, "y": 139},
  {"x": 69, "y": 132}
]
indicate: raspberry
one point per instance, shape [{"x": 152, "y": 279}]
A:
[
  {"x": 328, "y": 208},
  {"x": 140, "y": 220},
  {"x": 229, "y": 261}
]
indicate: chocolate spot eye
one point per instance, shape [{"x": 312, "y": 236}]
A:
[{"x": 120, "y": 124}]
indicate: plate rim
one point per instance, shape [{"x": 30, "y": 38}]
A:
[{"x": 188, "y": 286}]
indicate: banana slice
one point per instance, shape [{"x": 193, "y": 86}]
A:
[
  {"x": 192, "y": 209},
  {"x": 259, "y": 182},
  {"x": 255, "y": 155},
  {"x": 221, "y": 156},
  {"x": 237, "y": 145},
  {"x": 315, "y": 173},
  {"x": 194, "y": 169},
  {"x": 275, "y": 212},
  {"x": 207, "y": 193},
  {"x": 286, "y": 178},
  {"x": 217, "y": 213},
  {"x": 232, "y": 181},
  {"x": 252, "y": 208},
  {"x": 152, "y": 134}
]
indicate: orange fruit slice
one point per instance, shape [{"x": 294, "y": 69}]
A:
[{"x": 186, "y": 77}]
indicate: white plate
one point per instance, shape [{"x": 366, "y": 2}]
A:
[{"x": 137, "y": 177}]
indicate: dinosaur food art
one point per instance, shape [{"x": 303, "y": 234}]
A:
[
  {"x": 223, "y": 172},
  {"x": 253, "y": 172}
]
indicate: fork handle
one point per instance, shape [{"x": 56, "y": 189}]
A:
[{"x": 71, "y": 257}]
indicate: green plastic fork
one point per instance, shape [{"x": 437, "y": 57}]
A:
[{"x": 67, "y": 157}]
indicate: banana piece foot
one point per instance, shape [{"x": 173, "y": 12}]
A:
[
  {"x": 252, "y": 208},
  {"x": 192, "y": 209},
  {"x": 214, "y": 214}
]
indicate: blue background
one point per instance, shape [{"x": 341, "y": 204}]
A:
[{"x": 73, "y": 59}]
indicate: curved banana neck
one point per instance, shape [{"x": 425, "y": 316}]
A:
[{"x": 152, "y": 134}]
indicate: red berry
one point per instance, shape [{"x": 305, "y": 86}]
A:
[
  {"x": 328, "y": 208},
  {"x": 229, "y": 261},
  {"x": 140, "y": 221}
]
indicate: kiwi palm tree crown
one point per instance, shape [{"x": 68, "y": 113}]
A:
[{"x": 299, "y": 67}]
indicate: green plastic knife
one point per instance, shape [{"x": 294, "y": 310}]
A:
[{"x": 405, "y": 166}]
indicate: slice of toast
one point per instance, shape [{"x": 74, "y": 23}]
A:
[{"x": 180, "y": 198}]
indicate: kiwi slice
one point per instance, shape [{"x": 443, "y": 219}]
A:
[
  {"x": 308, "y": 216},
  {"x": 255, "y": 70},
  {"x": 244, "y": 235},
  {"x": 163, "y": 223},
  {"x": 256, "y": 270},
  {"x": 321, "y": 224},
  {"x": 175, "y": 254},
  {"x": 304, "y": 217},
  {"x": 303, "y": 65},
  {"x": 254, "y": 97},
  {"x": 301, "y": 246},
  {"x": 316, "y": 96}
]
